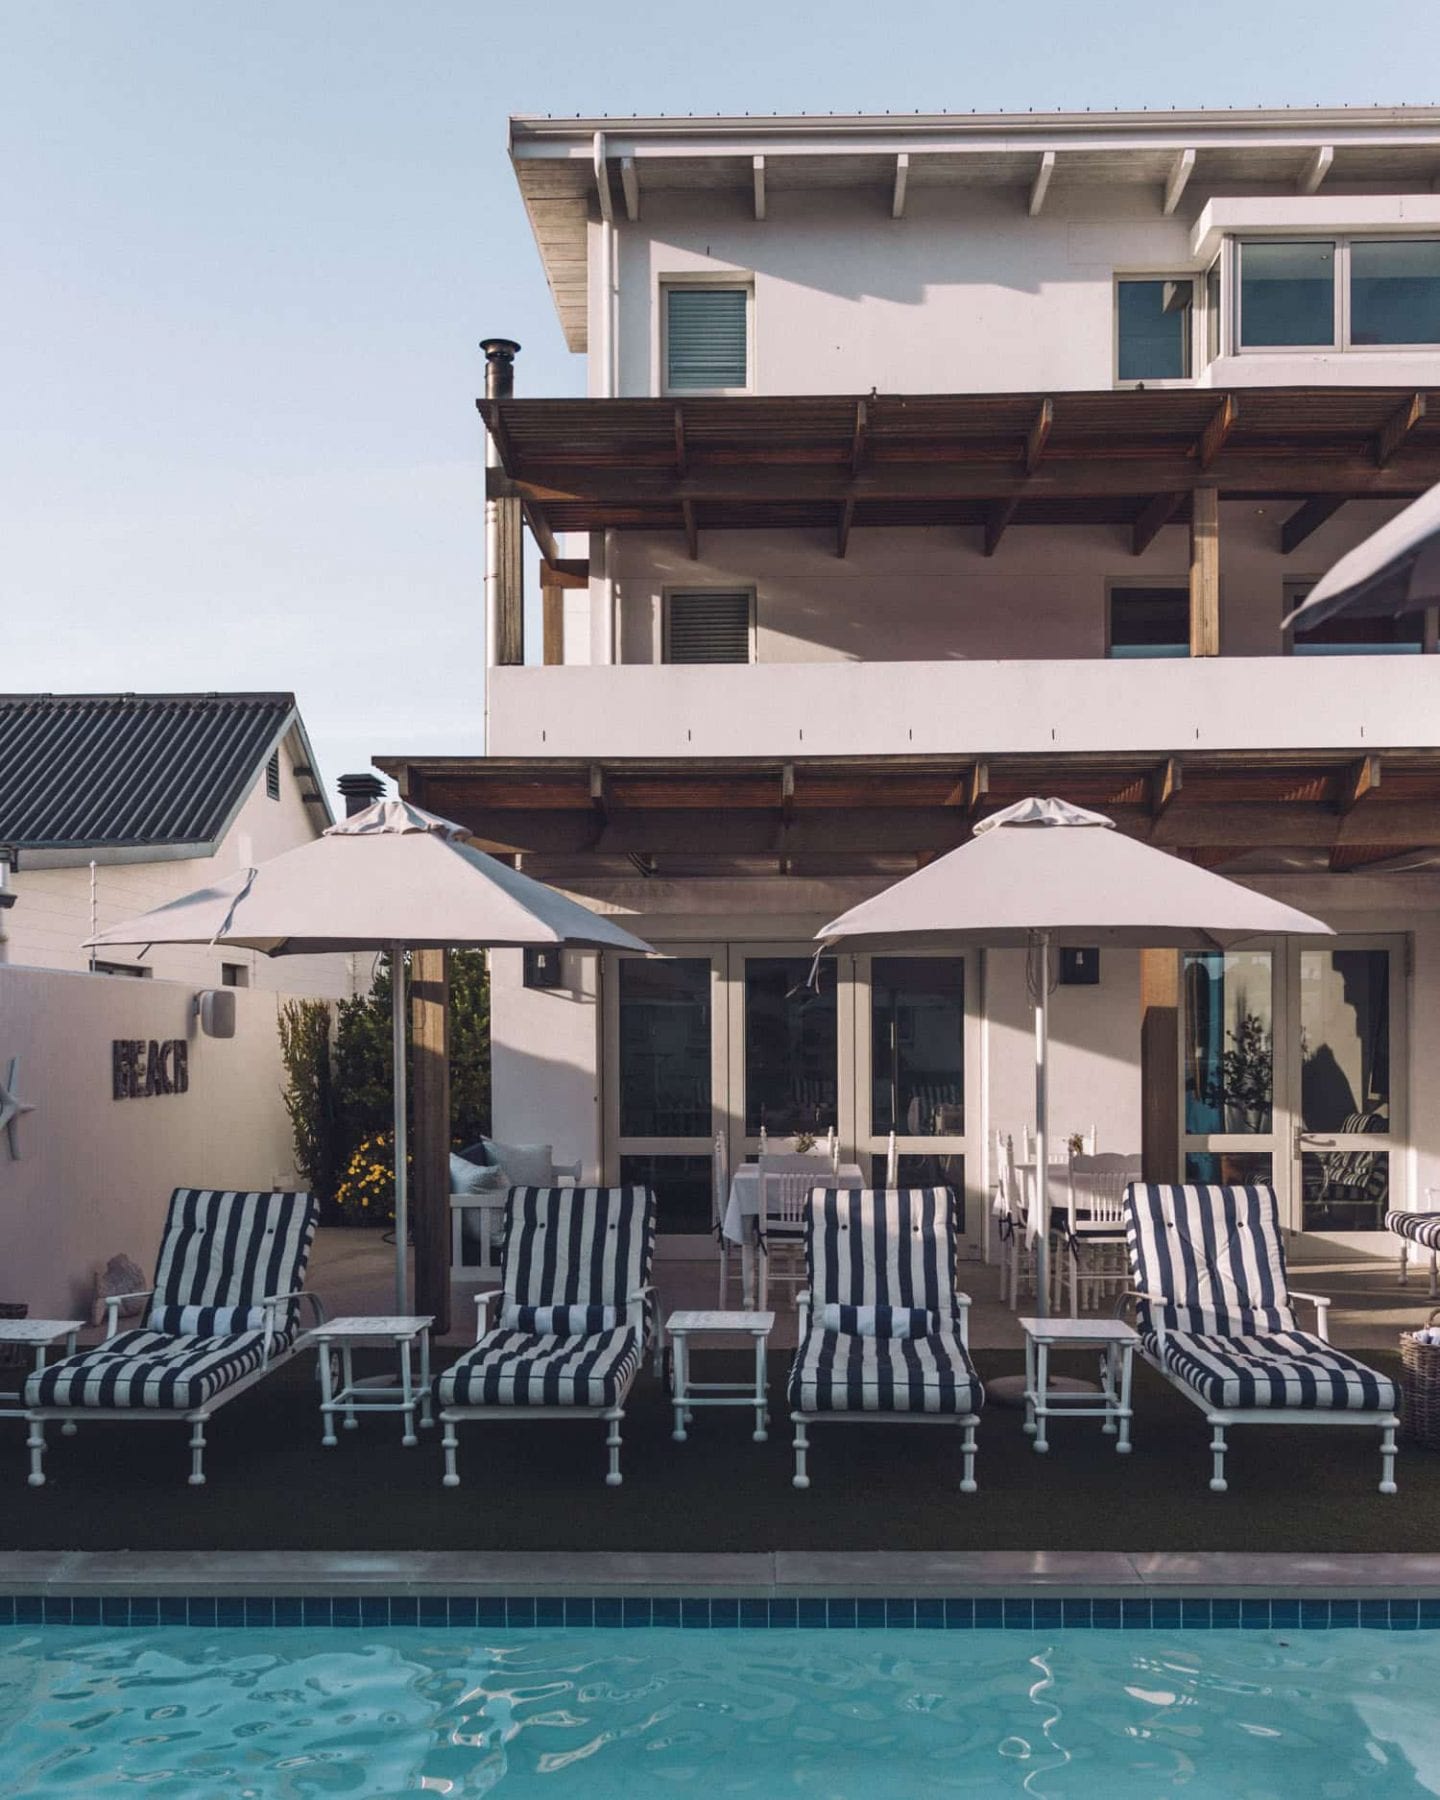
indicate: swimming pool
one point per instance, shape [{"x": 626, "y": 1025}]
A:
[{"x": 187, "y": 1713}]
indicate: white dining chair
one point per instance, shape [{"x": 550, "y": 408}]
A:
[
  {"x": 784, "y": 1196},
  {"x": 1058, "y": 1148},
  {"x": 1093, "y": 1258},
  {"x": 731, "y": 1268}
]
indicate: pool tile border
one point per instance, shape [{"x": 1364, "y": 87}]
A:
[{"x": 711, "y": 1613}]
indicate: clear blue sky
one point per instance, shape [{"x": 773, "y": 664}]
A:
[{"x": 247, "y": 248}]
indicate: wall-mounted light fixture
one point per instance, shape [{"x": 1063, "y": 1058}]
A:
[{"x": 1079, "y": 967}]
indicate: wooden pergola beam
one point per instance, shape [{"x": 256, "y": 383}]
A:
[
  {"x": 540, "y": 531},
  {"x": 1358, "y": 783},
  {"x": 998, "y": 515},
  {"x": 682, "y": 460},
  {"x": 1165, "y": 784},
  {"x": 692, "y": 531},
  {"x": 1217, "y": 433},
  {"x": 1398, "y": 427},
  {"x": 1307, "y": 519},
  {"x": 1154, "y": 516},
  {"x": 858, "y": 438},
  {"x": 1039, "y": 435}
]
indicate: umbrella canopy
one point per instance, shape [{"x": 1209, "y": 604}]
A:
[
  {"x": 1043, "y": 872},
  {"x": 1396, "y": 570},
  {"x": 386, "y": 876},
  {"x": 389, "y": 878}
]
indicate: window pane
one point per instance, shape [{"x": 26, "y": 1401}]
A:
[
  {"x": 665, "y": 1047},
  {"x": 1345, "y": 1040},
  {"x": 1287, "y": 294},
  {"x": 683, "y": 1189},
  {"x": 1344, "y": 1190},
  {"x": 705, "y": 332},
  {"x": 1154, "y": 329},
  {"x": 1228, "y": 1064},
  {"x": 790, "y": 1046},
  {"x": 1230, "y": 1168},
  {"x": 1212, "y": 312},
  {"x": 1149, "y": 621},
  {"x": 1395, "y": 292},
  {"x": 926, "y": 1171},
  {"x": 917, "y": 1045}
]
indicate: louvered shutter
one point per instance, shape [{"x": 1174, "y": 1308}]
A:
[
  {"x": 705, "y": 333},
  {"x": 709, "y": 627}
]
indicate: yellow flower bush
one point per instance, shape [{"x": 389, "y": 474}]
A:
[{"x": 366, "y": 1194}]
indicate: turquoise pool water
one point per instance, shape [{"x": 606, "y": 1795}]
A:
[{"x": 184, "y": 1714}]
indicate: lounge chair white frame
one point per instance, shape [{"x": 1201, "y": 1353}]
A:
[
  {"x": 451, "y": 1416},
  {"x": 1429, "y": 1220},
  {"x": 1220, "y": 1419},
  {"x": 71, "y": 1417},
  {"x": 966, "y": 1422}
]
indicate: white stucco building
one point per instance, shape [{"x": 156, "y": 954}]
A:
[{"x": 927, "y": 463}]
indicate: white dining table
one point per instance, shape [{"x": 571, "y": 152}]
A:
[{"x": 742, "y": 1207}]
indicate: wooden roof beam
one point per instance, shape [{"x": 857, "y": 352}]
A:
[
  {"x": 630, "y": 182},
  {"x": 540, "y": 531},
  {"x": 1398, "y": 427},
  {"x": 757, "y": 175},
  {"x": 1307, "y": 519},
  {"x": 1040, "y": 186},
  {"x": 1178, "y": 180},
  {"x": 1358, "y": 783},
  {"x": 1317, "y": 167},
  {"x": 842, "y": 527},
  {"x": 998, "y": 515},
  {"x": 858, "y": 436},
  {"x": 977, "y": 785},
  {"x": 599, "y": 801},
  {"x": 1038, "y": 435},
  {"x": 692, "y": 530},
  {"x": 1154, "y": 515},
  {"x": 500, "y": 434},
  {"x": 1217, "y": 432},
  {"x": 682, "y": 460},
  {"x": 1165, "y": 784},
  {"x": 902, "y": 181},
  {"x": 566, "y": 572}
]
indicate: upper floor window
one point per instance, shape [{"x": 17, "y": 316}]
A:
[
  {"x": 1337, "y": 293},
  {"x": 1149, "y": 621},
  {"x": 710, "y": 625},
  {"x": 706, "y": 346},
  {"x": 1404, "y": 636},
  {"x": 1153, "y": 328}
]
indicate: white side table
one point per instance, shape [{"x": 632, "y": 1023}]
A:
[
  {"x": 1117, "y": 1342},
  {"x": 39, "y": 1335},
  {"x": 402, "y": 1330},
  {"x": 689, "y": 1394}
]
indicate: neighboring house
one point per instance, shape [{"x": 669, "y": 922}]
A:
[
  {"x": 927, "y": 463},
  {"x": 111, "y": 804}
]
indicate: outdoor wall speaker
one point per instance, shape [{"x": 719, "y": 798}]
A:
[
  {"x": 1079, "y": 968},
  {"x": 215, "y": 1009}
]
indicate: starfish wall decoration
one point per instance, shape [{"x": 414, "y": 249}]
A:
[{"x": 11, "y": 1108}]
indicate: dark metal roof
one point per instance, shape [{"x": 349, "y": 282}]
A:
[{"x": 105, "y": 770}]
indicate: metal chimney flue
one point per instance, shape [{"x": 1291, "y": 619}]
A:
[
  {"x": 504, "y": 566},
  {"x": 360, "y": 791},
  {"x": 500, "y": 354}
]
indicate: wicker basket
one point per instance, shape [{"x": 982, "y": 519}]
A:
[
  {"x": 13, "y": 1356},
  {"x": 1420, "y": 1384}
]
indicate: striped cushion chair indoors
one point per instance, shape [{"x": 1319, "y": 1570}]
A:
[
  {"x": 224, "y": 1311},
  {"x": 577, "y": 1314},
  {"x": 1216, "y": 1318},
  {"x": 1423, "y": 1230},
  {"x": 883, "y": 1332}
]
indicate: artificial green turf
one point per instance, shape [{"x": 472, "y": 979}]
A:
[{"x": 539, "y": 1486}]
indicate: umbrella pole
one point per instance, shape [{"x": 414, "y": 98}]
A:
[
  {"x": 1040, "y": 1202},
  {"x": 402, "y": 1198}
]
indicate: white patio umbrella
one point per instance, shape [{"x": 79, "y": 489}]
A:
[
  {"x": 390, "y": 878},
  {"x": 1043, "y": 873},
  {"x": 1396, "y": 570}
]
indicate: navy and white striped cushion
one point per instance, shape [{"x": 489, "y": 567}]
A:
[
  {"x": 512, "y": 1368},
  {"x": 1419, "y": 1228},
  {"x": 579, "y": 1247},
  {"x": 879, "y": 1321},
  {"x": 1287, "y": 1368},
  {"x": 224, "y": 1250},
  {"x": 1214, "y": 1252},
  {"x": 837, "y": 1372},
  {"x": 870, "y": 1247},
  {"x": 559, "y": 1321},
  {"x": 145, "y": 1369},
  {"x": 205, "y": 1321}
]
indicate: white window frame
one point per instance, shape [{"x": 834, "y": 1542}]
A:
[
  {"x": 668, "y": 592},
  {"x": 1340, "y": 344},
  {"x": 708, "y": 278},
  {"x": 1193, "y": 344}
]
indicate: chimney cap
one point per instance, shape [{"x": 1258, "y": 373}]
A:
[
  {"x": 498, "y": 349},
  {"x": 360, "y": 789}
]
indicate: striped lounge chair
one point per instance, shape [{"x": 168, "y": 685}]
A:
[
  {"x": 224, "y": 1313},
  {"x": 1423, "y": 1230},
  {"x": 577, "y": 1314},
  {"x": 881, "y": 1263},
  {"x": 1216, "y": 1318}
]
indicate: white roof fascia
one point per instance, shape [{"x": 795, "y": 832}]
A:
[{"x": 1297, "y": 215}]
